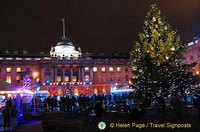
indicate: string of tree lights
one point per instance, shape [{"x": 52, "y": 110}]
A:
[{"x": 157, "y": 58}]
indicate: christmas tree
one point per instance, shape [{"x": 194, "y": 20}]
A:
[{"x": 157, "y": 58}]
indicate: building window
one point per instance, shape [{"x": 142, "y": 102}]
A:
[
  {"x": 74, "y": 79},
  {"x": 47, "y": 79},
  {"x": 191, "y": 57},
  {"x": 111, "y": 79},
  {"x": 18, "y": 69},
  {"x": 8, "y": 69},
  {"x": 66, "y": 72},
  {"x": 8, "y": 79},
  {"x": 94, "y": 69},
  {"x": 58, "y": 78},
  {"x": 86, "y": 68},
  {"x": 126, "y": 77},
  {"x": 95, "y": 91},
  {"x": 66, "y": 78},
  {"x": 59, "y": 72},
  {"x": 118, "y": 69},
  {"x": 103, "y": 90},
  {"x": 18, "y": 79},
  {"x": 126, "y": 69},
  {"x": 87, "y": 78},
  {"x": 75, "y": 71},
  {"x": 0, "y": 69},
  {"x": 103, "y": 69},
  {"x": 111, "y": 69}
]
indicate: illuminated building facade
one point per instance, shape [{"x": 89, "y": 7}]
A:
[
  {"x": 70, "y": 71},
  {"x": 66, "y": 71},
  {"x": 82, "y": 75},
  {"x": 192, "y": 54}
]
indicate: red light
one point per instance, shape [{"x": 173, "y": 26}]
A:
[
  {"x": 35, "y": 74},
  {"x": 130, "y": 82},
  {"x": 197, "y": 72}
]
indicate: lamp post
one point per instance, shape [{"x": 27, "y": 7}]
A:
[{"x": 35, "y": 75}]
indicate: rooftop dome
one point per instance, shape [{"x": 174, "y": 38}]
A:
[
  {"x": 64, "y": 43},
  {"x": 65, "y": 47}
]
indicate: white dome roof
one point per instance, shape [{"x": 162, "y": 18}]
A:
[{"x": 64, "y": 48}]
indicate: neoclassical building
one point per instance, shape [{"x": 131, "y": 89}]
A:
[{"x": 66, "y": 70}]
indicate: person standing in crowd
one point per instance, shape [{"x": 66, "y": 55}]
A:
[
  {"x": 51, "y": 103},
  {"x": 38, "y": 103},
  {"x": 74, "y": 103},
  {"x": 13, "y": 115},
  {"x": 109, "y": 99},
  {"x": 6, "y": 115},
  {"x": 178, "y": 107},
  {"x": 18, "y": 103},
  {"x": 99, "y": 110},
  {"x": 9, "y": 103}
]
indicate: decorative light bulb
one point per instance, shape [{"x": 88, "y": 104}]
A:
[{"x": 172, "y": 49}]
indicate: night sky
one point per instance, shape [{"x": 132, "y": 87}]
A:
[{"x": 93, "y": 25}]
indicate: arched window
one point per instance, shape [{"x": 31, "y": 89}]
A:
[{"x": 47, "y": 79}]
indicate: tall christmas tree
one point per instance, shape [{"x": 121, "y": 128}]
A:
[{"x": 157, "y": 58}]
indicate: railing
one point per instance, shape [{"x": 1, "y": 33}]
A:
[{"x": 80, "y": 105}]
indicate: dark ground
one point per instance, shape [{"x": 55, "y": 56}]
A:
[{"x": 70, "y": 121}]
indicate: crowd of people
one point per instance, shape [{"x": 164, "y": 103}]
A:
[
  {"x": 110, "y": 101},
  {"x": 99, "y": 103},
  {"x": 73, "y": 103},
  {"x": 10, "y": 113},
  {"x": 82, "y": 102}
]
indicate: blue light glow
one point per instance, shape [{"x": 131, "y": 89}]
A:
[
  {"x": 121, "y": 89},
  {"x": 113, "y": 88},
  {"x": 47, "y": 80},
  {"x": 87, "y": 79}
]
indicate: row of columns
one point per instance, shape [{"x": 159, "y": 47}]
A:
[{"x": 53, "y": 74}]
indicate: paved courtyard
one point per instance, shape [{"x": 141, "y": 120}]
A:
[{"x": 115, "y": 122}]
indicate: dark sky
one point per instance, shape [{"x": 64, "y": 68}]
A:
[{"x": 94, "y": 25}]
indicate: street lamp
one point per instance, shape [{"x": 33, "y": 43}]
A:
[{"x": 35, "y": 75}]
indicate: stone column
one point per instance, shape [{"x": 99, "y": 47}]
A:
[
  {"x": 52, "y": 75},
  {"x": 79, "y": 74},
  {"x": 91, "y": 74},
  {"x": 63, "y": 75},
  {"x": 55, "y": 75},
  {"x": 71, "y": 74},
  {"x": 83, "y": 73},
  {"x": 114, "y": 74}
]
